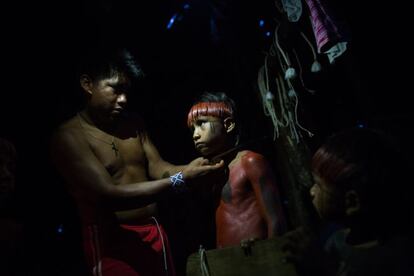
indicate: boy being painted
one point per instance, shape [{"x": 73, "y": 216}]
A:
[{"x": 248, "y": 205}]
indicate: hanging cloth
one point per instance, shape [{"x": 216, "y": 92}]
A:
[{"x": 330, "y": 36}]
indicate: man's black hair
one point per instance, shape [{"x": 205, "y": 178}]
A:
[{"x": 104, "y": 62}]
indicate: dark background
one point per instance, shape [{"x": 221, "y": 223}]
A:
[{"x": 369, "y": 85}]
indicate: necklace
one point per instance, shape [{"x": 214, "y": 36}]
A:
[{"x": 112, "y": 143}]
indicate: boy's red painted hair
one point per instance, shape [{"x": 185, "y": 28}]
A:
[{"x": 216, "y": 109}]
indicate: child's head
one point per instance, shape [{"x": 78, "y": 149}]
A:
[
  {"x": 213, "y": 122},
  {"x": 357, "y": 171}
]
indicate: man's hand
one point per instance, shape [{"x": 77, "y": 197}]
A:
[{"x": 199, "y": 167}]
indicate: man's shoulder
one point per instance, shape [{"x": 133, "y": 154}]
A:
[
  {"x": 69, "y": 125},
  {"x": 69, "y": 128}
]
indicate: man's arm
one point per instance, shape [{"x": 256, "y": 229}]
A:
[
  {"x": 264, "y": 185},
  {"x": 79, "y": 166}
]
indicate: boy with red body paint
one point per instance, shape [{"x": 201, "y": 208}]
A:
[{"x": 249, "y": 205}]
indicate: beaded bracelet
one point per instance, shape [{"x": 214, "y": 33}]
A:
[{"x": 178, "y": 183}]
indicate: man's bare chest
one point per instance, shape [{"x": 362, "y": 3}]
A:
[{"x": 120, "y": 157}]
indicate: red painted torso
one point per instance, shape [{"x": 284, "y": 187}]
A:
[{"x": 239, "y": 215}]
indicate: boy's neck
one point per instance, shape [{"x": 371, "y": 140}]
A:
[{"x": 227, "y": 154}]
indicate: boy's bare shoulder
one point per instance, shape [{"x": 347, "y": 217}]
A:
[
  {"x": 252, "y": 158},
  {"x": 247, "y": 157}
]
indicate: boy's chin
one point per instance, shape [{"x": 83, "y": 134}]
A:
[
  {"x": 205, "y": 153},
  {"x": 209, "y": 155}
]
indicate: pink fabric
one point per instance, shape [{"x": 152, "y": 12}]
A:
[{"x": 326, "y": 30}]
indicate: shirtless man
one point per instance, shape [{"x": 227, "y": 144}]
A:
[
  {"x": 106, "y": 159},
  {"x": 249, "y": 206}
]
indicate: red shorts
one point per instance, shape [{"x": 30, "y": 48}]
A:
[{"x": 128, "y": 250}]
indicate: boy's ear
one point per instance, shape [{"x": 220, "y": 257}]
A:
[
  {"x": 86, "y": 83},
  {"x": 229, "y": 124},
  {"x": 352, "y": 202}
]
